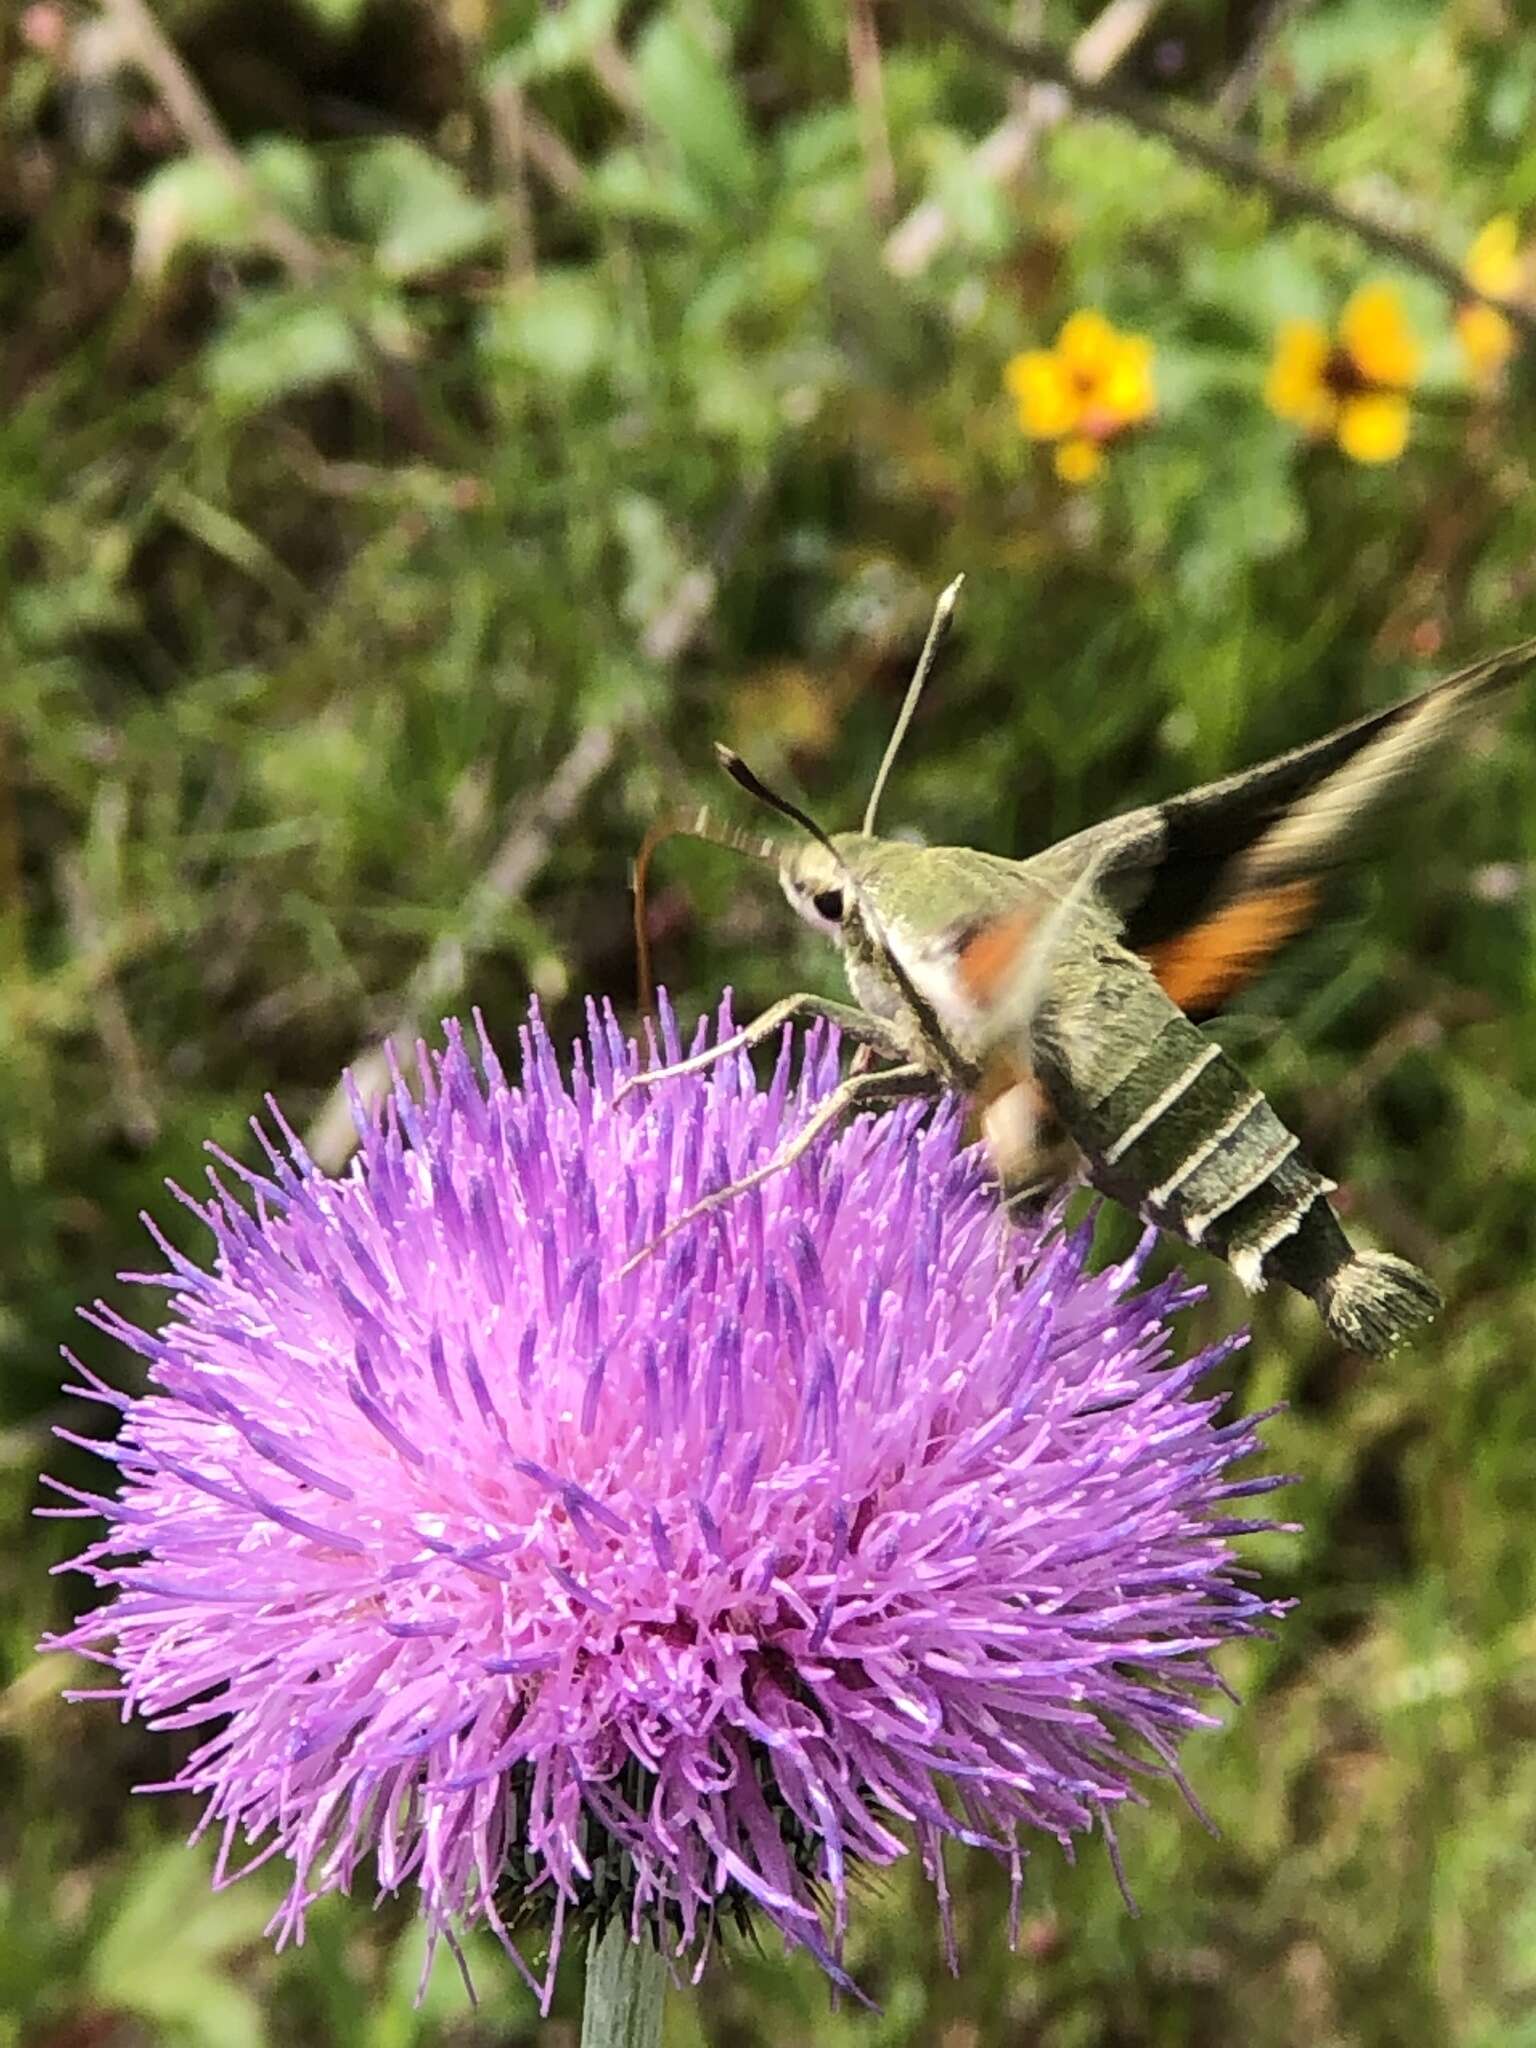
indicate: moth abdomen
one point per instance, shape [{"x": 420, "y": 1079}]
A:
[
  {"x": 1369, "y": 1301},
  {"x": 1186, "y": 1139},
  {"x": 1373, "y": 1301}
]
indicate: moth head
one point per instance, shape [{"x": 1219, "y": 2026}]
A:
[
  {"x": 825, "y": 880},
  {"x": 817, "y": 882}
]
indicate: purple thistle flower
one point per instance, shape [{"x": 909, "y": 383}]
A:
[{"x": 843, "y": 1521}]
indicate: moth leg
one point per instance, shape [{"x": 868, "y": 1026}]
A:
[
  {"x": 858, "y": 1025},
  {"x": 1030, "y": 1194},
  {"x": 890, "y": 1083},
  {"x": 1018, "y": 1203}
]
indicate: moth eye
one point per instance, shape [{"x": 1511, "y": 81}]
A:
[{"x": 828, "y": 903}]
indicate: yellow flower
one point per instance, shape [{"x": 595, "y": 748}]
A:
[
  {"x": 1078, "y": 461},
  {"x": 1087, "y": 346},
  {"x": 1374, "y": 426},
  {"x": 1047, "y": 404},
  {"x": 1296, "y": 388},
  {"x": 1352, "y": 388},
  {"x": 1487, "y": 340},
  {"x": 1128, "y": 388},
  {"x": 1493, "y": 262},
  {"x": 1378, "y": 339},
  {"x": 1093, "y": 385},
  {"x": 1495, "y": 265}
]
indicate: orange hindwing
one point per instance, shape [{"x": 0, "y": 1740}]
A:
[{"x": 1205, "y": 966}]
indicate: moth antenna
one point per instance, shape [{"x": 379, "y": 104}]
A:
[
  {"x": 741, "y": 774},
  {"x": 943, "y": 613},
  {"x": 697, "y": 824}
]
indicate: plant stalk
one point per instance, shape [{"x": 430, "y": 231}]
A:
[{"x": 626, "y": 1981}]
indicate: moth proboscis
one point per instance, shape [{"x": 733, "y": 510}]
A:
[{"x": 1067, "y": 990}]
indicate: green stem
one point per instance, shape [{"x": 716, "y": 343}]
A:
[{"x": 625, "y": 1983}]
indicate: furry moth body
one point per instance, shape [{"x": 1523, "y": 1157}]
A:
[
  {"x": 1071, "y": 987},
  {"x": 1162, "y": 1120}
]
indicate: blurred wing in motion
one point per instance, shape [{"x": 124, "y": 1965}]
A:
[{"x": 1212, "y": 883}]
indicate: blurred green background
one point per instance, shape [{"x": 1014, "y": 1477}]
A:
[{"x": 423, "y": 427}]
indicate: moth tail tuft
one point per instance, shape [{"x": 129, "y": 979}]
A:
[{"x": 1373, "y": 1301}]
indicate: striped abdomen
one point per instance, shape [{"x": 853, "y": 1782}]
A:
[
  {"x": 1169, "y": 1126},
  {"x": 1187, "y": 1140}
]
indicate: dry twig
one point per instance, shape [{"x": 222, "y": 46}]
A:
[
  {"x": 508, "y": 109},
  {"x": 552, "y": 157},
  {"x": 440, "y": 976},
  {"x": 867, "y": 75},
  {"x": 1233, "y": 100},
  {"x": 147, "y": 44},
  {"x": 912, "y": 246},
  {"x": 528, "y": 843}
]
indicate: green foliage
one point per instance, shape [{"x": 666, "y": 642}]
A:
[
  {"x": 198, "y": 204},
  {"x": 413, "y": 211},
  {"x": 599, "y": 404},
  {"x": 276, "y": 344}
]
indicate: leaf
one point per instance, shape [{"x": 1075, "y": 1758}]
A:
[
  {"x": 227, "y": 537},
  {"x": 692, "y": 101},
  {"x": 560, "y": 327},
  {"x": 166, "y": 1952},
  {"x": 414, "y": 209},
  {"x": 657, "y": 560},
  {"x": 1374, "y": 38},
  {"x": 280, "y": 341},
  {"x": 628, "y": 187},
  {"x": 561, "y": 39},
  {"x": 196, "y": 202},
  {"x": 734, "y": 400},
  {"x": 1238, "y": 507}
]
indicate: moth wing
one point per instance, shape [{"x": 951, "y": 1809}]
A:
[
  {"x": 1212, "y": 883},
  {"x": 1002, "y": 969}
]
